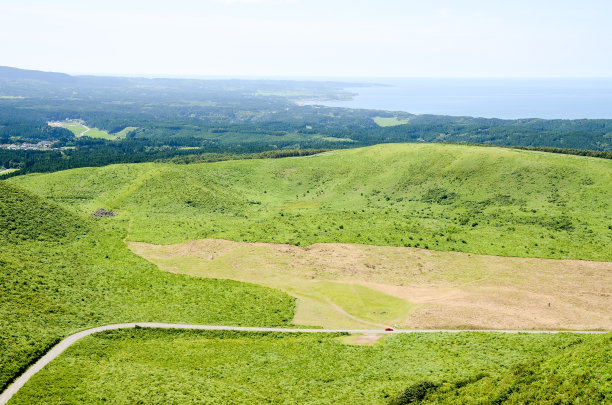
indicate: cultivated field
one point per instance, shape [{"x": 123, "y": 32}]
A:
[{"x": 342, "y": 285}]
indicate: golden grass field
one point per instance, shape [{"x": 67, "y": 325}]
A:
[{"x": 350, "y": 285}]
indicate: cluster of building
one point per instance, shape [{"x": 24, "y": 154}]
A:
[
  {"x": 42, "y": 145},
  {"x": 60, "y": 124}
]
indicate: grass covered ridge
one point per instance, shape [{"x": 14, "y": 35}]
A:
[
  {"x": 60, "y": 273},
  {"x": 163, "y": 366},
  {"x": 442, "y": 197}
]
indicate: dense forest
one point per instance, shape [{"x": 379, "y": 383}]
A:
[{"x": 184, "y": 118}]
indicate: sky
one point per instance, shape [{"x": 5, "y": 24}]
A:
[{"x": 310, "y": 38}]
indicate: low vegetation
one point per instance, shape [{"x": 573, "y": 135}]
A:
[
  {"x": 390, "y": 121},
  {"x": 158, "y": 366},
  {"x": 60, "y": 273},
  {"x": 81, "y": 130},
  {"x": 580, "y": 373},
  {"x": 63, "y": 270},
  {"x": 342, "y": 285},
  {"x": 441, "y": 197}
]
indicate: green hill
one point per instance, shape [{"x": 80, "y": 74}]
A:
[
  {"x": 60, "y": 273},
  {"x": 442, "y": 197},
  {"x": 25, "y": 216}
]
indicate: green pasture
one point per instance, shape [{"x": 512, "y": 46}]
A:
[
  {"x": 76, "y": 129},
  {"x": 124, "y": 132},
  {"x": 61, "y": 273},
  {"x": 162, "y": 366},
  {"x": 442, "y": 197},
  {"x": 390, "y": 121},
  {"x": 97, "y": 133},
  {"x": 81, "y": 130}
]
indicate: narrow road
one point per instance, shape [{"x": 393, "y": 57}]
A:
[{"x": 70, "y": 340}]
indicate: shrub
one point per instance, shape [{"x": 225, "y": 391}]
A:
[{"x": 415, "y": 393}]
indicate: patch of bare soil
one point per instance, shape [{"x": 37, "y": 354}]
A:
[
  {"x": 361, "y": 340},
  {"x": 449, "y": 289}
]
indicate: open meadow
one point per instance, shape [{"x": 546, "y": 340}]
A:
[
  {"x": 414, "y": 235},
  {"x": 144, "y": 366},
  {"x": 81, "y": 130},
  {"x": 61, "y": 273},
  {"x": 479, "y": 200},
  {"x": 353, "y": 286}
]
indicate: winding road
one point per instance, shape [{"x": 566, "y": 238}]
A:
[{"x": 70, "y": 340}]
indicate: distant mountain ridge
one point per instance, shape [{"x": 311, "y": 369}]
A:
[{"x": 7, "y": 72}]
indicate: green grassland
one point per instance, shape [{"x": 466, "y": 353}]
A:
[
  {"x": 441, "y": 197},
  {"x": 390, "y": 121},
  {"x": 580, "y": 373},
  {"x": 61, "y": 273},
  {"x": 81, "y": 130},
  {"x": 76, "y": 129},
  {"x": 162, "y": 366},
  {"x": 124, "y": 132},
  {"x": 97, "y": 133}
]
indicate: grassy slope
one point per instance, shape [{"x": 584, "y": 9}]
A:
[
  {"x": 144, "y": 366},
  {"x": 60, "y": 273},
  {"x": 97, "y": 133},
  {"x": 78, "y": 129},
  {"x": 390, "y": 121},
  {"x": 579, "y": 374},
  {"x": 441, "y": 197},
  {"x": 124, "y": 132}
]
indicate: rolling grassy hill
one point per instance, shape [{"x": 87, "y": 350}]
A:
[
  {"x": 441, "y": 197},
  {"x": 60, "y": 273},
  {"x": 162, "y": 366}
]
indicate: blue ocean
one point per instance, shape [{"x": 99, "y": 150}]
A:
[{"x": 490, "y": 98}]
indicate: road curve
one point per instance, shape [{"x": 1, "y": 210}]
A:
[{"x": 70, "y": 340}]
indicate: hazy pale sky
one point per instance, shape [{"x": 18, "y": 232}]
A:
[{"x": 311, "y": 38}]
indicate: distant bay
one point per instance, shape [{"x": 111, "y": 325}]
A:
[{"x": 490, "y": 98}]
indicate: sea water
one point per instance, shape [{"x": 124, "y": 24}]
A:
[{"x": 490, "y": 98}]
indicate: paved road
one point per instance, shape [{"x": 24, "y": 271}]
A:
[{"x": 70, "y": 340}]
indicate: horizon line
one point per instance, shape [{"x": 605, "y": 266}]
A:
[{"x": 304, "y": 77}]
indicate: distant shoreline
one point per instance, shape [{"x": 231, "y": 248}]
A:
[{"x": 486, "y": 98}]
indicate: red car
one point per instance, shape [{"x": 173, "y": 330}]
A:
[{"x": 389, "y": 329}]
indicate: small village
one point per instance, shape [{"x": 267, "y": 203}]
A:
[{"x": 42, "y": 145}]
